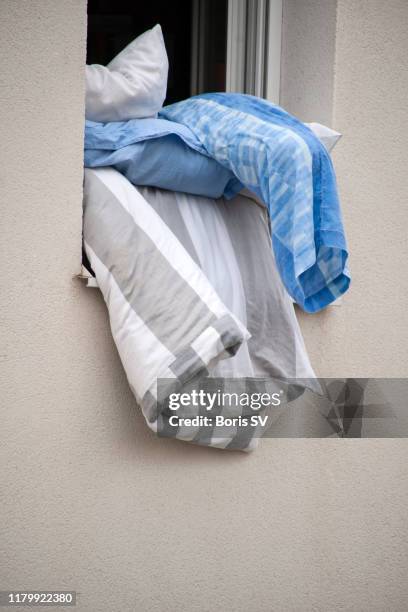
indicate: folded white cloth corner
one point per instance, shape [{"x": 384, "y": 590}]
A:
[
  {"x": 133, "y": 85},
  {"x": 328, "y": 136}
]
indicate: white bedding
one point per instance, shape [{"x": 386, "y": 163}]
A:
[
  {"x": 210, "y": 232},
  {"x": 192, "y": 290}
]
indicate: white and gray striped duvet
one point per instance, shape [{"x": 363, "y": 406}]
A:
[{"x": 191, "y": 289}]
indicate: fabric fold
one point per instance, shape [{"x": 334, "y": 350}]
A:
[
  {"x": 166, "y": 319},
  {"x": 284, "y": 163}
]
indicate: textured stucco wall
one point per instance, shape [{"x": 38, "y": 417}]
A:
[
  {"x": 90, "y": 499},
  {"x": 307, "y": 66},
  {"x": 367, "y": 335}
]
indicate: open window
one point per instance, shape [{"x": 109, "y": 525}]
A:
[
  {"x": 195, "y": 35},
  {"x": 213, "y": 45}
]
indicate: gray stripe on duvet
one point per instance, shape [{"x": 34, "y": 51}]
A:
[
  {"x": 159, "y": 201},
  {"x": 270, "y": 316},
  {"x": 187, "y": 365},
  {"x": 167, "y": 304}
]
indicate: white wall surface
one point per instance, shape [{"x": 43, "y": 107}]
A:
[
  {"x": 90, "y": 499},
  {"x": 307, "y": 67}
]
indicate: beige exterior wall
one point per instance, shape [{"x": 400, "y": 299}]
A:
[
  {"x": 367, "y": 335},
  {"x": 307, "y": 66},
  {"x": 90, "y": 499}
]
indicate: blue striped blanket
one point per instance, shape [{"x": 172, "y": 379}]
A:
[{"x": 283, "y": 162}]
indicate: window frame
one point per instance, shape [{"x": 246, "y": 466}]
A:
[{"x": 254, "y": 47}]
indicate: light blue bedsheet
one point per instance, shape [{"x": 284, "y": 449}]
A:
[
  {"x": 281, "y": 160},
  {"x": 158, "y": 153}
]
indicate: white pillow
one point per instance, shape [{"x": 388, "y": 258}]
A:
[
  {"x": 133, "y": 85},
  {"x": 328, "y": 136}
]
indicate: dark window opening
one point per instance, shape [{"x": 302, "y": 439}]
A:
[{"x": 195, "y": 34}]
